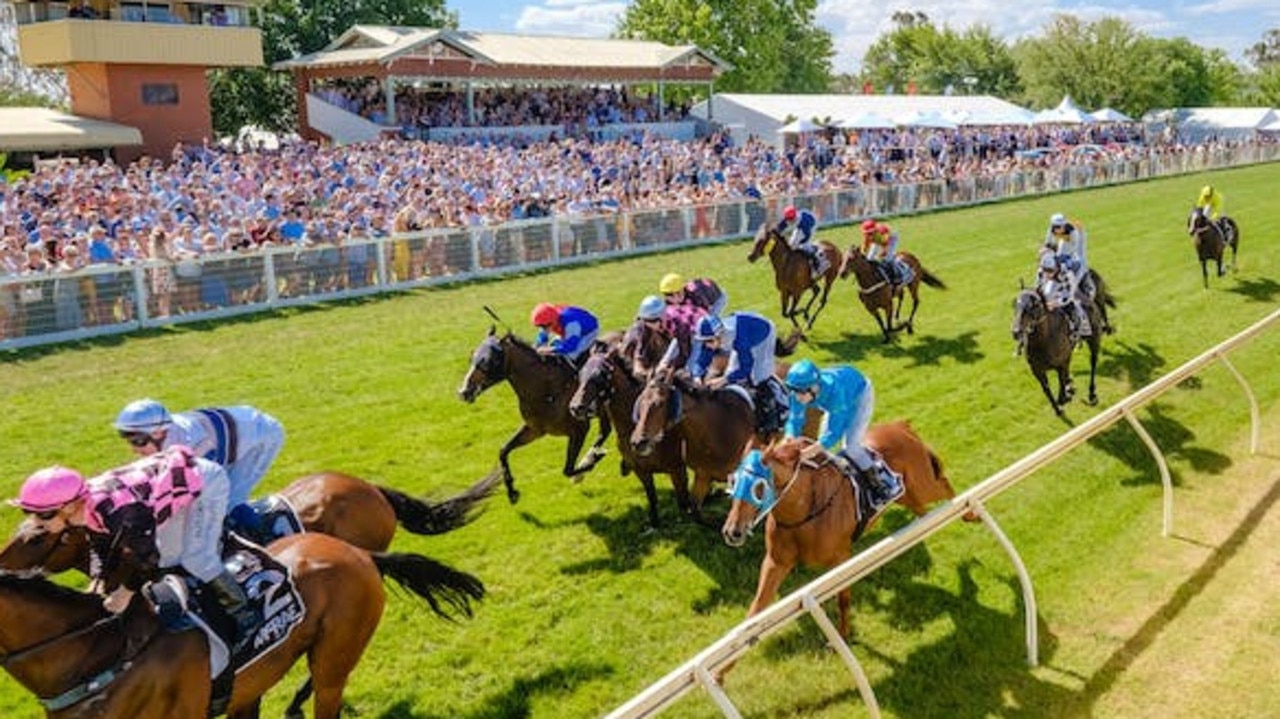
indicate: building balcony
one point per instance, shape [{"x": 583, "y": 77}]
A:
[{"x": 55, "y": 43}]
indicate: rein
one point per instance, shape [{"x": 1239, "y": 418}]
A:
[
  {"x": 814, "y": 512},
  {"x": 10, "y": 657}
]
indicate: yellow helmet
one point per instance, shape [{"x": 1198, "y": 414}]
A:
[
  {"x": 671, "y": 282},
  {"x": 1206, "y": 191}
]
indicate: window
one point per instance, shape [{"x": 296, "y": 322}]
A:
[{"x": 160, "y": 94}]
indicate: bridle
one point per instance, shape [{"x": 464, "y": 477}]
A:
[{"x": 815, "y": 510}]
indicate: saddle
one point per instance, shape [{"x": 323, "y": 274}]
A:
[
  {"x": 894, "y": 272},
  {"x": 870, "y": 502},
  {"x": 181, "y": 604}
]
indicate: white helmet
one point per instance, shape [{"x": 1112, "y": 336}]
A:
[
  {"x": 143, "y": 415},
  {"x": 1048, "y": 261},
  {"x": 1058, "y": 220},
  {"x": 651, "y": 308}
]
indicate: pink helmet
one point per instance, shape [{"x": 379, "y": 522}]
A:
[
  {"x": 50, "y": 488},
  {"x": 868, "y": 226},
  {"x": 789, "y": 213}
]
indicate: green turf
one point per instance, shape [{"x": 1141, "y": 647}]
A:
[{"x": 586, "y": 607}]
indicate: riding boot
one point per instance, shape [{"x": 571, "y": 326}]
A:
[
  {"x": 232, "y": 600},
  {"x": 869, "y": 477}
]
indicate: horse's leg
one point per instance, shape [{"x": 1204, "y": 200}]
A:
[
  {"x": 1066, "y": 386},
  {"x": 1094, "y": 343},
  {"x": 254, "y": 710},
  {"x": 886, "y": 325},
  {"x": 915, "y": 305},
  {"x": 577, "y": 438},
  {"x": 597, "y": 451},
  {"x": 842, "y": 601},
  {"x": 523, "y": 436},
  {"x": 771, "y": 575},
  {"x": 294, "y": 711},
  {"x": 680, "y": 485},
  {"x": 1204, "y": 271},
  {"x": 701, "y": 488},
  {"x": 650, "y": 493},
  {"x": 1043, "y": 378}
]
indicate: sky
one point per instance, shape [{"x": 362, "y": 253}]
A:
[{"x": 1232, "y": 25}]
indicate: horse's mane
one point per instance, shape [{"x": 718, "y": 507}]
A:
[
  {"x": 33, "y": 584},
  {"x": 787, "y": 451}
]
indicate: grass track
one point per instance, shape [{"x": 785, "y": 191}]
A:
[{"x": 586, "y": 608}]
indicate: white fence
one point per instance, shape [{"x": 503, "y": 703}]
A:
[
  {"x": 52, "y": 307},
  {"x": 700, "y": 670}
]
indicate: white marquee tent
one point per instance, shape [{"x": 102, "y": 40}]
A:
[{"x": 1225, "y": 123}]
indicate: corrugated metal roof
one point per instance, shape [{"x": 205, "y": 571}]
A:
[
  {"x": 39, "y": 129},
  {"x": 382, "y": 43}
]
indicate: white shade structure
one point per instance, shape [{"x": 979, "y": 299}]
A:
[
  {"x": 932, "y": 120},
  {"x": 867, "y": 121},
  {"x": 1108, "y": 114},
  {"x": 795, "y": 127}
]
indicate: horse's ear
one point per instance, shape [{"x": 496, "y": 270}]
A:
[
  {"x": 493, "y": 330},
  {"x": 1022, "y": 283}
]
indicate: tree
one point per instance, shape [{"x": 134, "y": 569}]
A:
[
  {"x": 1265, "y": 52},
  {"x": 918, "y": 52},
  {"x": 1106, "y": 63},
  {"x": 773, "y": 46},
  {"x": 260, "y": 96}
]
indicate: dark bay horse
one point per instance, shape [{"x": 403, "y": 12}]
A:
[
  {"x": 793, "y": 274},
  {"x": 1045, "y": 337},
  {"x": 715, "y": 426},
  {"x": 543, "y": 384},
  {"x": 815, "y": 517},
  {"x": 54, "y": 640},
  {"x": 1212, "y": 240},
  {"x": 356, "y": 511},
  {"x": 883, "y": 299},
  {"x": 606, "y": 384}
]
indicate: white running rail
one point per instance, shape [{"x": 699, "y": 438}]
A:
[{"x": 702, "y": 668}]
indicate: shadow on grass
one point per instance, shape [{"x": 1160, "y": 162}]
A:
[
  {"x": 1172, "y": 437},
  {"x": 1263, "y": 289},
  {"x": 517, "y": 701},
  {"x": 1139, "y": 364},
  {"x": 918, "y": 350}
]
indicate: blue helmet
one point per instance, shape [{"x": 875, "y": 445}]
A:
[
  {"x": 802, "y": 376},
  {"x": 752, "y": 482},
  {"x": 709, "y": 328},
  {"x": 143, "y": 415},
  {"x": 651, "y": 308}
]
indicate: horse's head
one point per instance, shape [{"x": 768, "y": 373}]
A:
[
  {"x": 754, "y": 486},
  {"x": 1029, "y": 310},
  {"x": 595, "y": 385},
  {"x": 488, "y": 367},
  {"x": 766, "y": 237},
  {"x": 851, "y": 258},
  {"x": 653, "y": 412},
  {"x": 51, "y": 550},
  {"x": 1197, "y": 221}
]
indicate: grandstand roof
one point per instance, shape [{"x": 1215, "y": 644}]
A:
[
  {"x": 414, "y": 51},
  {"x": 38, "y": 129}
]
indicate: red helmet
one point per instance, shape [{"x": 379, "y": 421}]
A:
[
  {"x": 882, "y": 228},
  {"x": 868, "y": 226},
  {"x": 544, "y": 314},
  {"x": 789, "y": 213}
]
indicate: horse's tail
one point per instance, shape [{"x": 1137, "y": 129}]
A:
[
  {"x": 1101, "y": 291},
  {"x": 446, "y": 589},
  {"x": 787, "y": 347},
  {"x": 931, "y": 279},
  {"x": 422, "y": 517}
]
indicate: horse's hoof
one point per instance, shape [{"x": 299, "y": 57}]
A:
[
  {"x": 1093, "y": 400},
  {"x": 513, "y": 496}
]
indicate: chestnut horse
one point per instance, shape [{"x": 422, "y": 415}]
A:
[
  {"x": 1212, "y": 239},
  {"x": 1045, "y": 337},
  {"x": 605, "y": 384},
  {"x": 543, "y": 385},
  {"x": 715, "y": 426},
  {"x": 358, "y": 512},
  {"x": 61, "y": 644},
  {"x": 816, "y": 517},
  {"x": 883, "y": 299},
  {"x": 793, "y": 273}
]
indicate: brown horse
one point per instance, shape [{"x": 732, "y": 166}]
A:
[
  {"x": 793, "y": 275},
  {"x": 715, "y": 425},
  {"x": 1045, "y": 337},
  {"x": 543, "y": 385},
  {"x": 59, "y": 643},
  {"x": 884, "y": 299},
  {"x": 1212, "y": 239},
  {"x": 358, "y": 512},
  {"x": 606, "y": 384},
  {"x": 815, "y": 517}
]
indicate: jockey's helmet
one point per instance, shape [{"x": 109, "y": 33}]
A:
[
  {"x": 544, "y": 314},
  {"x": 1058, "y": 221},
  {"x": 50, "y": 488},
  {"x": 709, "y": 328},
  {"x": 651, "y": 308},
  {"x": 882, "y": 228},
  {"x": 142, "y": 415},
  {"x": 802, "y": 376},
  {"x": 670, "y": 283},
  {"x": 868, "y": 227},
  {"x": 1206, "y": 192},
  {"x": 1048, "y": 262},
  {"x": 789, "y": 213}
]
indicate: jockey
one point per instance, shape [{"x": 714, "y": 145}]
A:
[
  {"x": 880, "y": 244},
  {"x": 564, "y": 330},
  {"x": 243, "y": 439},
  {"x": 749, "y": 340},
  {"x": 1058, "y": 288},
  {"x": 170, "y": 504},
  {"x": 802, "y": 224},
  {"x": 702, "y": 293},
  {"x": 847, "y": 398},
  {"x": 650, "y": 318},
  {"x": 1211, "y": 201},
  {"x": 1067, "y": 240}
]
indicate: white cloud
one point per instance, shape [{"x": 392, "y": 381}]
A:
[{"x": 578, "y": 18}]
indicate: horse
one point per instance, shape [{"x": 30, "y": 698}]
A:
[
  {"x": 1045, "y": 337},
  {"x": 1212, "y": 239},
  {"x": 543, "y": 385},
  {"x": 62, "y": 645},
  {"x": 356, "y": 511},
  {"x": 817, "y": 515},
  {"x": 793, "y": 275},
  {"x": 715, "y": 427},
  {"x": 884, "y": 299},
  {"x": 606, "y": 384}
]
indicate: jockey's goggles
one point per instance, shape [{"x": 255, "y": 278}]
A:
[
  {"x": 43, "y": 515},
  {"x": 137, "y": 439}
]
